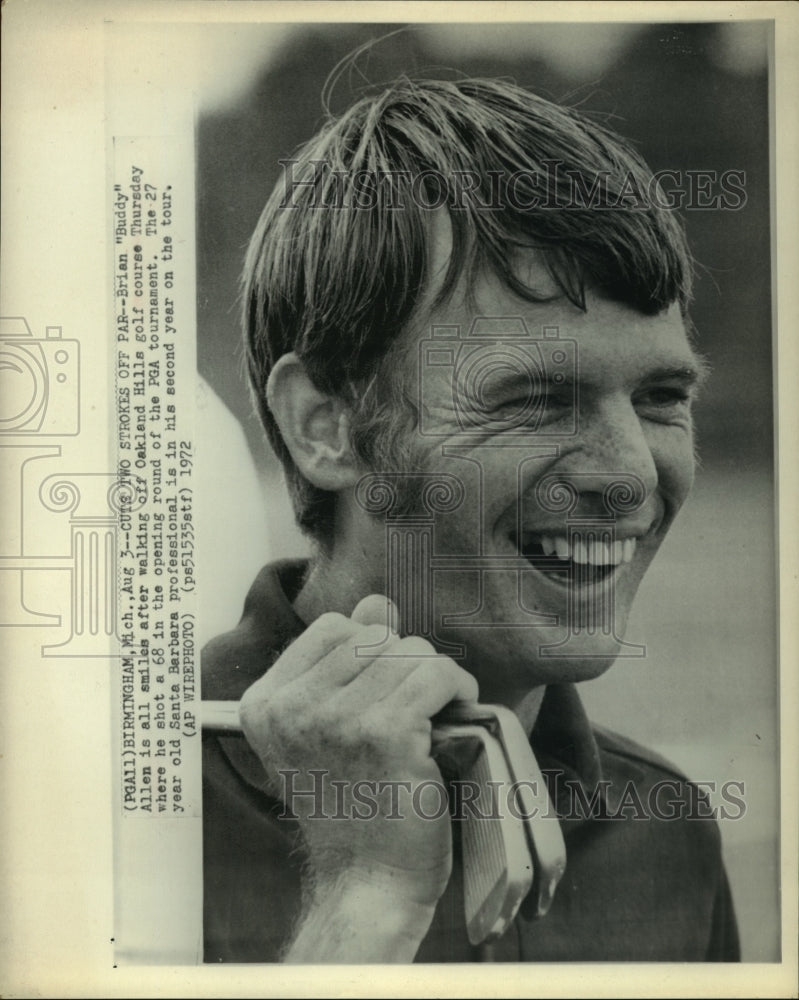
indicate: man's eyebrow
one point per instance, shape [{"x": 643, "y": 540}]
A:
[
  {"x": 690, "y": 371},
  {"x": 693, "y": 373}
]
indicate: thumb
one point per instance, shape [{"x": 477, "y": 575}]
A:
[{"x": 377, "y": 609}]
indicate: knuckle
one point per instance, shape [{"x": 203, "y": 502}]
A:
[
  {"x": 338, "y": 719},
  {"x": 376, "y": 733},
  {"x": 265, "y": 714},
  {"x": 252, "y": 703},
  {"x": 364, "y": 646},
  {"x": 326, "y": 720},
  {"x": 461, "y": 676},
  {"x": 371, "y": 634},
  {"x": 416, "y": 646},
  {"x": 470, "y": 687},
  {"x": 331, "y": 624},
  {"x": 326, "y": 633}
]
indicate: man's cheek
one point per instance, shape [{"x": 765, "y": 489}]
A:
[{"x": 677, "y": 466}]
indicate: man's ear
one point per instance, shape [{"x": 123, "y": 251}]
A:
[{"x": 314, "y": 426}]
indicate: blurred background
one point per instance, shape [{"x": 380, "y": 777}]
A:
[{"x": 690, "y": 97}]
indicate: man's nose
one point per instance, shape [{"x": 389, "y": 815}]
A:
[
  {"x": 616, "y": 442},
  {"x": 612, "y": 453}
]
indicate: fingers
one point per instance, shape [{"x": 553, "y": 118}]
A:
[
  {"x": 362, "y": 660},
  {"x": 433, "y": 684},
  {"x": 319, "y": 640},
  {"x": 380, "y": 677},
  {"x": 377, "y": 610},
  {"x": 372, "y": 625},
  {"x": 412, "y": 675}
]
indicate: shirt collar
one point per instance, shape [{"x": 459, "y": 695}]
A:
[{"x": 566, "y": 750}]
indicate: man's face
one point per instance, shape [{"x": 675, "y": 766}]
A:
[{"x": 534, "y": 572}]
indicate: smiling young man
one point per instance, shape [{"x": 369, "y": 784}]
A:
[{"x": 457, "y": 287}]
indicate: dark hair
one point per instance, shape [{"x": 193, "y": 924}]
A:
[{"x": 339, "y": 258}]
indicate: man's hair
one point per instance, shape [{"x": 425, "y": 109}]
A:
[{"x": 340, "y": 255}]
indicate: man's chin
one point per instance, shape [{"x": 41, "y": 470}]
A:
[
  {"x": 572, "y": 667},
  {"x": 545, "y": 656},
  {"x": 575, "y": 655}
]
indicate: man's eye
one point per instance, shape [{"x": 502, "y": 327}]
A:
[
  {"x": 666, "y": 400},
  {"x": 537, "y": 409},
  {"x": 524, "y": 404}
]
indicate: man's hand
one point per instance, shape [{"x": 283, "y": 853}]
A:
[{"x": 352, "y": 702}]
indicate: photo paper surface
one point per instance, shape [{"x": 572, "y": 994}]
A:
[{"x": 488, "y": 306}]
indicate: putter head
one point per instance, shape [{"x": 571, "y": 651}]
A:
[
  {"x": 532, "y": 805},
  {"x": 497, "y": 866}
]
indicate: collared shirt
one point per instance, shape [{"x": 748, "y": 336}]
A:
[{"x": 644, "y": 878}]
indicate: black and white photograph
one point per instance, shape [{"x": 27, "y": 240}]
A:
[
  {"x": 411, "y": 506},
  {"x": 510, "y": 288}
]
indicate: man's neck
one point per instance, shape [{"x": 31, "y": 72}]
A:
[
  {"x": 527, "y": 707},
  {"x": 328, "y": 587}
]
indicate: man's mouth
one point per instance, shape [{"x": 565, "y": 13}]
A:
[{"x": 580, "y": 558}]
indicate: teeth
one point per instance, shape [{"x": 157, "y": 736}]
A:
[
  {"x": 594, "y": 551},
  {"x": 579, "y": 551}
]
